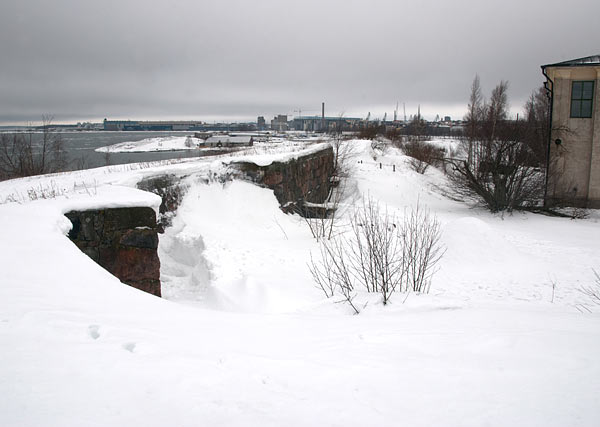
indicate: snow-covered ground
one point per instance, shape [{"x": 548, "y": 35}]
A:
[
  {"x": 161, "y": 143},
  {"x": 242, "y": 336}
]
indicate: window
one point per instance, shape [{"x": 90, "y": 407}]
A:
[{"x": 582, "y": 94}]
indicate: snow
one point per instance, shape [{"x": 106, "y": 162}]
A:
[
  {"x": 178, "y": 143},
  {"x": 161, "y": 143},
  {"x": 243, "y": 337},
  {"x": 263, "y": 154}
]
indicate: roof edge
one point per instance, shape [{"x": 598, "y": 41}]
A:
[{"x": 577, "y": 62}]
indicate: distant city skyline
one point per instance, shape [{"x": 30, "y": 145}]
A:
[{"x": 84, "y": 61}]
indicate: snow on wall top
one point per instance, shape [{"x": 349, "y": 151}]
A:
[{"x": 265, "y": 159}]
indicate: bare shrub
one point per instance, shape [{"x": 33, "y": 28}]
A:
[
  {"x": 375, "y": 250},
  {"x": 423, "y": 155},
  {"x": 394, "y": 135},
  {"x": 332, "y": 272},
  {"x": 368, "y": 132},
  {"x": 593, "y": 291},
  {"x": 421, "y": 234},
  {"x": 379, "y": 254}
]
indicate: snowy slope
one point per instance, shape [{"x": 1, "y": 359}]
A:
[{"x": 244, "y": 338}]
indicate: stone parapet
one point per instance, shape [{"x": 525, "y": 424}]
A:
[{"x": 124, "y": 241}]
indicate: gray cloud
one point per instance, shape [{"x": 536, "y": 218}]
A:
[{"x": 239, "y": 59}]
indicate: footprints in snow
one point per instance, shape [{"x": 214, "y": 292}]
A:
[
  {"x": 129, "y": 346},
  {"x": 94, "y": 332}
]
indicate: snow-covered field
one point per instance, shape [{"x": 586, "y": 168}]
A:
[
  {"x": 242, "y": 336},
  {"x": 162, "y": 143}
]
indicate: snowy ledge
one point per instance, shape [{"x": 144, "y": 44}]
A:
[
  {"x": 113, "y": 196},
  {"x": 269, "y": 158}
]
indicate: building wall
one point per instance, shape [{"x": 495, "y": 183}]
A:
[{"x": 574, "y": 168}]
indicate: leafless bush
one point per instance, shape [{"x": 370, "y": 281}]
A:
[
  {"x": 593, "y": 291},
  {"x": 368, "y": 132},
  {"x": 376, "y": 251},
  {"x": 379, "y": 254},
  {"x": 333, "y": 271},
  {"x": 421, "y": 234},
  {"x": 423, "y": 154},
  {"x": 394, "y": 135}
]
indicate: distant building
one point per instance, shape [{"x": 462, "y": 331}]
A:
[
  {"x": 229, "y": 141},
  {"x": 325, "y": 124},
  {"x": 261, "y": 124},
  {"x": 135, "y": 125},
  {"x": 279, "y": 123},
  {"x": 573, "y": 176}
]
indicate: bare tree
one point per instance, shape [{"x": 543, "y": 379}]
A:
[
  {"x": 474, "y": 113},
  {"x": 537, "y": 117},
  {"x": 416, "y": 129},
  {"x": 25, "y": 154},
  {"x": 496, "y": 166},
  {"x": 496, "y": 110}
]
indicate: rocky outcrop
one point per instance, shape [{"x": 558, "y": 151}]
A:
[
  {"x": 297, "y": 181},
  {"x": 124, "y": 241},
  {"x": 171, "y": 191}
]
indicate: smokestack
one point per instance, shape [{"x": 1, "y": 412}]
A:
[{"x": 322, "y": 115}]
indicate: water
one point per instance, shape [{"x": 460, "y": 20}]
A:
[{"x": 80, "y": 148}]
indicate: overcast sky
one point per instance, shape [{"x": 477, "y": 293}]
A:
[{"x": 235, "y": 59}]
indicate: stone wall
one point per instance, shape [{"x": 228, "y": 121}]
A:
[
  {"x": 123, "y": 241},
  {"x": 304, "y": 179}
]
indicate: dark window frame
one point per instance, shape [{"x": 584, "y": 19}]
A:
[{"x": 577, "y": 103}]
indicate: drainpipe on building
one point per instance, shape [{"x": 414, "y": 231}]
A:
[{"x": 550, "y": 93}]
